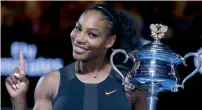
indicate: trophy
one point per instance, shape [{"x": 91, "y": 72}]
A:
[{"x": 154, "y": 67}]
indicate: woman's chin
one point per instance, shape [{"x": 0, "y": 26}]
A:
[{"x": 79, "y": 57}]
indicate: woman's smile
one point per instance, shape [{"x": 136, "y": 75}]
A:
[{"x": 79, "y": 49}]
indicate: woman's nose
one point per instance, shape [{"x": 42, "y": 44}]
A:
[{"x": 81, "y": 39}]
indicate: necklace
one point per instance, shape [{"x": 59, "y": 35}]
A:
[{"x": 96, "y": 76}]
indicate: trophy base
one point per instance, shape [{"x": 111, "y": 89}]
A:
[
  {"x": 151, "y": 102},
  {"x": 153, "y": 85},
  {"x": 152, "y": 98}
]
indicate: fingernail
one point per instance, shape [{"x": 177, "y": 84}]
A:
[
  {"x": 16, "y": 74},
  {"x": 14, "y": 86}
]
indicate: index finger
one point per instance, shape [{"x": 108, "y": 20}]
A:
[{"x": 22, "y": 65}]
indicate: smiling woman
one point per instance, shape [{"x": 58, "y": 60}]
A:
[
  {"x": 89, "y": 83},
  {"x": 89, "y": 37}
]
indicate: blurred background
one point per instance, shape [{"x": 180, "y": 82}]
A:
[{"x": 41, "y": 30}]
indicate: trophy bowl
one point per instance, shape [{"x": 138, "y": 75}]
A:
[{"x": 155, "y": 67}]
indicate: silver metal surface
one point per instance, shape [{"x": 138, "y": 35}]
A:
[{"x": 155, "y": 67}]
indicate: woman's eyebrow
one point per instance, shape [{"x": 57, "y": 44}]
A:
[{"x": 90, "y": 28}]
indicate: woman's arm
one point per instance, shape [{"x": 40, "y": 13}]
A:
[{"x": 45, "y": 91}]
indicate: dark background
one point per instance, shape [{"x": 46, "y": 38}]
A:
[{"x": 55, "y": 21}]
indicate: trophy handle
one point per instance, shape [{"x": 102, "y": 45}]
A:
[
  {"x": 112, "y": 63},
  {"x": 135, "y": 60},
  {"x": 194, "y": 72},
  {"x": 136, "y": 64}
]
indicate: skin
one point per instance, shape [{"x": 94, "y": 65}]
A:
[{"x": 90, "y": 45}]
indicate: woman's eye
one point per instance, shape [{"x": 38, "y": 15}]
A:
[
  {"x": 77, "y": 28},
  {"x": 92, "y": 35}
]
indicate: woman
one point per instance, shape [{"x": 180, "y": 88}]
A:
[{"x": 89, "y": 83}]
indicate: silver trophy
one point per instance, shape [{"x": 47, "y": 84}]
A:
[{"x": 155, "y": 67}]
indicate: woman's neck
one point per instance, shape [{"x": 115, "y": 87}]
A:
[{"x": 93, "y": 66}]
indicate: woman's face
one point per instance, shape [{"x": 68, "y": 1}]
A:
[{"x": 90, "y": 37}]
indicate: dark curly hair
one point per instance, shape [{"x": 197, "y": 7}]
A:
[
  {"x": 122, "y": 24},
  {"x": 127, "y": 38}
]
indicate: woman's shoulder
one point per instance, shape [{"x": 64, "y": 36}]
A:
[
  {"x": 55, "y": 74},
  {"x": 47, "y": 85},
  {"x": 50, "y": 81}
]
